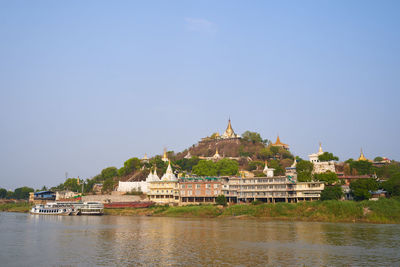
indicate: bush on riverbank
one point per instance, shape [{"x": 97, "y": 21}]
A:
[{"x": 16, "y": 207}]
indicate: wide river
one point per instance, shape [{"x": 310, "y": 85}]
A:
[{"x": 39, "y": 240}]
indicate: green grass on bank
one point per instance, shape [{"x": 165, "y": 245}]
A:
[
  {"x": 16, "y": 207},
  {"x": 381, "y": 211}
]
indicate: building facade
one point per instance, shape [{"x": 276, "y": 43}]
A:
[
  {"x": 199, "y": 190},
  {"x": 164, "y": 190},
  {"x": 321, "y": 166}
]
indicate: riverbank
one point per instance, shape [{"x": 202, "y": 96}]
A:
[
  {"x": 382, "y": 211},
  {"x": 15, "y": 207}
]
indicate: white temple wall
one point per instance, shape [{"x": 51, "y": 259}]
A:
[{"x": 129, "y": 186}]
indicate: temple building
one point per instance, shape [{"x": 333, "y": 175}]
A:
[
  {"x": 145, "y": 159},
  {"x": 229, "y": 132},
  {"x": 278, "y": 143},
  {"x": 141, "y": 186},
  {"x": 362, "y": 157},
  {"x": 268, "y": 171},
  {"x": 166, "y": 190},
  {"x": 321, "y": 166}
]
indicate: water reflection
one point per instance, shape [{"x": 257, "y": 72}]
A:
[{"x": 114, "y": 240}]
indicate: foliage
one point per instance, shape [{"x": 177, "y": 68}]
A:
[
  {"x": 255, "y": 165},
  {"x": 304, "y": 170},
  {"x": 221, "y": 200},
  {"x": 259, "y": 174},
  {"x": 264, "y": 154},
  {"x": 362, "y": 167},
  {"x": 130, "y": 166},
  {"x": 224, "y": 167},
  {"x": 328, "y": 177},
  {"x": 392, "y": 185},
  {"x": 326, "y": 156},
  {"x": 109, "y": 172},
  {"x": 361, "y": 188},
  {"x": 252, "y": 137},
  {"x": 205, "y": 168},
  {"x": 378, "y": 159},
  {"x": 22, "y": 192},
  {"x": 3, "y": 193},
  {"x": 278, "y": 168},
  {"x": 227, "y": 167},
  {"x": 332, "y": 193},
  {"x": 72, "y": 184},
  {"x": 187, "y": 164},
  {"x": 108, "y": 186}
]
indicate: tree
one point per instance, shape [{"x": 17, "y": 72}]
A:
[
  {"x": 332, "y": 193},
  {"x": 252, "y": 137},
  {"x": 255, "y": 165},
  {"x": 329, "y": 178},
  {"x": 264, "y": 154},
  {"x": 205, "y": 168},
  {"x": 130, "y": 166},
  {"x": 227, "y": 167},
  {"x": 22, "y": 192},
  {"x": 361, "y": 188},
  {"x": 71, "y": 184},
  {"x": 278, "y": 168},
  {"x": 304, "y": 170},
  {"x": 187, "y": 164},
  {"x": 221, "y": 200},
  {"x": 109, "y": 172},
  {"x": 108, "y": 186},
  {"x": 392, "y": 185},
  {"x": 326, "y": 156},
  {"x": 362, "y": 166},
  {"x": 378, "y": 159},
  {"x": 3, "y": 193}
]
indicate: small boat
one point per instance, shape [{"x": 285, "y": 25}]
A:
[
  {"x": 91, "y": 208},
  {"x": 50, "y": 210}
]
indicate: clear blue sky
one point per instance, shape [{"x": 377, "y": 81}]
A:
[{"x": 88, "y": 84}]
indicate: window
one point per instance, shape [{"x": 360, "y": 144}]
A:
[
  {"x": 182, "y": 186},
  {"x": 189, "y": 186},
  {"x": 198, "y": 186},
  {"x": 208, "y": 186},
  {"x": 208, "y": 192},
  {"x": 197, "y": 192},
  {"x": 215, "y": 185}
]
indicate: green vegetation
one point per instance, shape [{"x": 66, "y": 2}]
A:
[
  {"x": 304, "y": 170},
  {"x": 254, "y": 138},
  {"x": 332, "y": 193},
  {"x": 361, "y": 188},
  {"x": 16, "y": 207},
  {"x": 326, "y": 156},
  {"x": 19, "y": 193},
  {"x": 224, "y": 167},
  {"x": 221, "y": 200},
  {"x": 381, "y": 211},
  {"x": 329, "y": 178},
  {"x": 378, "y": 159}
]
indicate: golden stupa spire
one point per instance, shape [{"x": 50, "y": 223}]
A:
[
  {"x": 320, "y": 148},
  {"x": 362, "y": 157}
]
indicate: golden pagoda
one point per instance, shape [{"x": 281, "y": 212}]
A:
[
  {"x": 362, "y": 157},
  {"x": 229, "y": 132},
  {"x": 165, "y": 158},
  {"x": 278, "y": 143}
]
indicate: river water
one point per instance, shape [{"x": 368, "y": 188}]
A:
[{"x": 38, "y": 240}]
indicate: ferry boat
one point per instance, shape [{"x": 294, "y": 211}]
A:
[
  {"x": 69, "y": 208},
  {"x": 51, "y": 210}
]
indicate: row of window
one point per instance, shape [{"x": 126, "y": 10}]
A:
[{"x": 198, "y": 186}]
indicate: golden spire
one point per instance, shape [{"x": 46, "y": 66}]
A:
[
  {"x": 320, "y": 148},
  {"x": 216, "y": 151},
  {"x": 362, "y": 157},
  {"x": 165, "y": 153}
]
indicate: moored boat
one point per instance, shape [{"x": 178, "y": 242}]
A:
[{"x": 50, "y": 210}]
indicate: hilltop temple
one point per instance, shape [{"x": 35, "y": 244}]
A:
[
  {"x": 278, "y": 143},
  {"x": 229, "y": 134},
  {"x": 321, "y": 166}
]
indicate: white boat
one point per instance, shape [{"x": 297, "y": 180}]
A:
[
  {"x": 51, "y": 210},
  {"x": 81, "y": 208}
]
